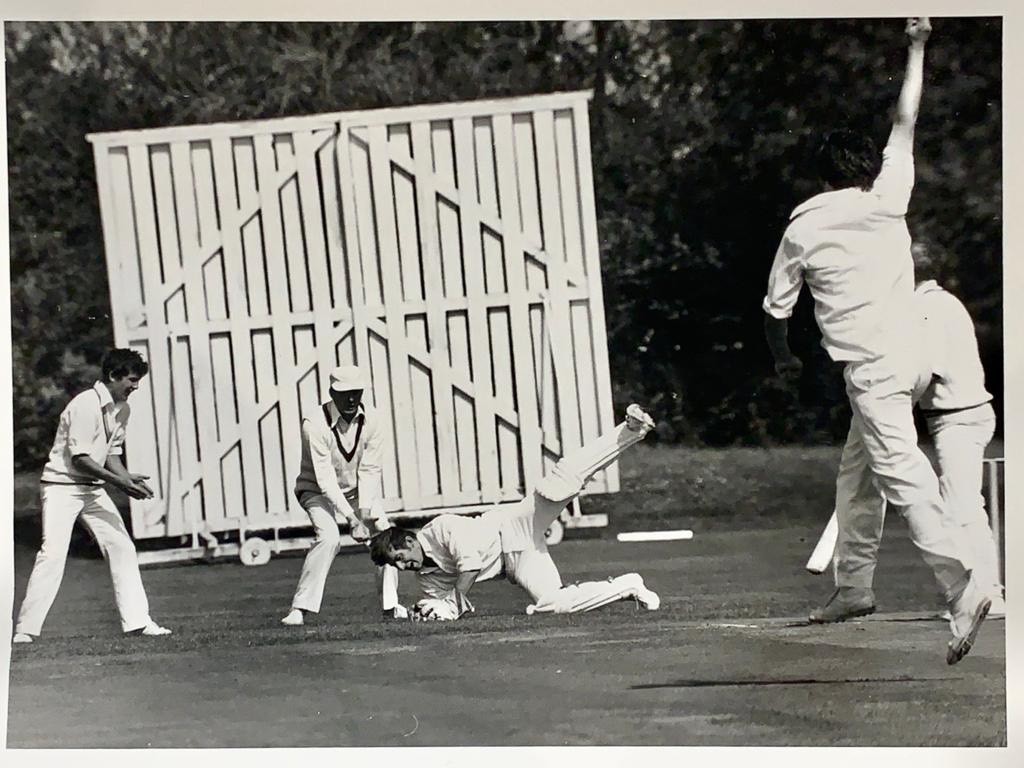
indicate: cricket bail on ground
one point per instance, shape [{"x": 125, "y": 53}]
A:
[{"x": 449, "y": 250}]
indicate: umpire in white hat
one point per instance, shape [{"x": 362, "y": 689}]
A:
[{"x": 343, "y": 447}]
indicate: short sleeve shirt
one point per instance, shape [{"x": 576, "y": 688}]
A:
[{"x": 91, "y": 425}]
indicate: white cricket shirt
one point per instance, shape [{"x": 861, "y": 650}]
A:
[
  {"x": 958, "y": 378},
  {"x": 458, "y": 544},
  {"x": 852, "y": 249},
  {"x": 93, "y": 425},
  {"x": 340, "y": 457}
]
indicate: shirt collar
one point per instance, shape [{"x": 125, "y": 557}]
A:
[
  {"x": 927, "y": 286},
  {"x": 825, "y": 198},
  {"x": 106, "y": 399},
  {"x": 336, "y": 414}
]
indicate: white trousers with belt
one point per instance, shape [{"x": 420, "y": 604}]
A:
[
  {"x": 62, "y": 506},
  {"x": 882, "y": 462},
  {"x": 960, "y": 439},
  {"x": 309, "y": 594}
]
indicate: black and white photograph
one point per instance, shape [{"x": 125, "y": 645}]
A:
[{"x": 539, "y": 379}]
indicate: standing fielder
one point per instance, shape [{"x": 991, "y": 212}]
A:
[
  {"x": 451, "y": 553},
  {"x": 87, "y": 453},
  {"x": 961, "y": 422},
  {"x": 342, "y": 450},
  {"x": 851, "y": 246}
]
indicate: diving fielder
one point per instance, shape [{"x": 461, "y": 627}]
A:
[
  {"x": 342, "y": 450},
  {"x": 451, "y": 553},
  {"x": 851, "y": 246}
]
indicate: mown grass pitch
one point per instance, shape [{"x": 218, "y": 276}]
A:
[{"x": 725, "y": 662}]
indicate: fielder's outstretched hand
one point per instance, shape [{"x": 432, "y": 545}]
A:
[{"x": 918, "y": 29}]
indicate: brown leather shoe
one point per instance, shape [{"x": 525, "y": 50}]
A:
[{"x": 845, "y": 603}]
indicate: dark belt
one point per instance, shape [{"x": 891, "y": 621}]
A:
[{"x": 932, "y": 412}]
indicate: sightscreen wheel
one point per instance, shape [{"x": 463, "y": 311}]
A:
[
  {"x": 555, "y": 533},
  {"x": 255, "y": 551}
]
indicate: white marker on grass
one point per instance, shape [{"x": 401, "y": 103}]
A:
[{"x": 678, "y": 535}]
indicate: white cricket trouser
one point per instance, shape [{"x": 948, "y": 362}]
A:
[
  {"x": 527, "y": 560},
  {"x": 960, "y": 438},
  {"x": 310, "y": 592},
  {"x": 882, "y": 459},
  {"x": 62, "y": 505}
]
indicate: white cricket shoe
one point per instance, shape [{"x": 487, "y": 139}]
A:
[
  {"x": 294, "y": 618},
  {"x": 152, "y": 629},
  {"x": 638, "y": 420},
  {"x": 21, "y": 638},
  {"x": 646, "y": 597}
]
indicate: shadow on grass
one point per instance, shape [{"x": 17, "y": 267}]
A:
[{"x": 794, "y": 681}]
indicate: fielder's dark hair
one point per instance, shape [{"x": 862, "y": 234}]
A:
[
  {"x": 118, "y": 363},
  {"x": 384, "y": 542},
  {"x": 846, "y": 158}
]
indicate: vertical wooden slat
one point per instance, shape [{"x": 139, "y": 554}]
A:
[
  {"x": 380, "y": 171},
  {"x": 403, "y": 189},
  {"x": 569, "y": 191},
  {"x": 214, "y": 288},
  {"x": 360, "y": 259},
  {"x": 182, "y": 437},
  {"x": 111, "y": 210},
  {"x": 291, "y": 226},
  {"x": 131, "y": 297},
  {"x": 458, "y": 325},
  {"x": 353, "y": 247},
  {"x": 569, "y": 399},
  {"x": 592, "y": 258},
  {"x": 199, "y": 335},
  {"x": 270, "y": 206},
  {"x": 241, "y": 342},
  {"x": 480, "y": 360},
  {"x": 336, "y": 257},
  {"x": 273, "y": 448},
  {"x": 170, "y": 254},
  {"x": 307, "y": 386},
  {"x": 537, "y": 280},
  {"x": 316, "y": 253},
  {"x": 530, "y": 436},
  {"x": 141, "y": 442},
  {"x": 423, "y": 428},
  {"x": 156, "y": 328},
  {"x": 444, "y": 420},
  {"x": 215, "y": 307},
  {"x": 377, "y": 357},
  {"x": 252, "y": 237},
  {"x": 498, "y": 328}
]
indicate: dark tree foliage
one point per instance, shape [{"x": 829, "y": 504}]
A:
[{"x": 699, "y": 130}]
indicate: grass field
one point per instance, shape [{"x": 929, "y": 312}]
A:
[{"x": 727, "y": 661}]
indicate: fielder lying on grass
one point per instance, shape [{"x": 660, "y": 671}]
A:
[{"x": 451, "y": 553}]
